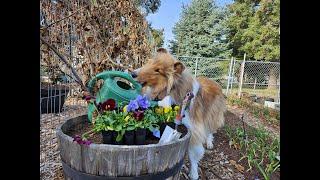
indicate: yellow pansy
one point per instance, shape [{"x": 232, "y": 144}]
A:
[
  {"x": 167, "y": 109},
  {"x": 127, "y": 118},
  {"x": 176, "y": 108},
  {"x": 159, "y": 110},
  {"x": 125, "y": 108}
]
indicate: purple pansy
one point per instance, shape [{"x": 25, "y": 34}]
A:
[
  {"x": 132, "y": 106},
  {"x": 76, "y": 138},
  {"x": 79, "y": 140},
  {"x": 143, "y": 102},
  {"x": 88, "y": 142},
  {"x": 108, "y": 105},
  {"x": 138, "y": 115},
  {"x": 89, "y": 98}
]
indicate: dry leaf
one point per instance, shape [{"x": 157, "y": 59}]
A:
[
  {"x": 90, "y": 40},
  {"x": 237, "y": 166},
  {"x": 232, "y": 162}
]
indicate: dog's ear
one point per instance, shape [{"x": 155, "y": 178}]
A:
[
  {"x": 178, "y": 67},
  {"x": 162, "y": 50}
]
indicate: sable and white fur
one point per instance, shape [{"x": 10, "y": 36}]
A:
[{"x": 164, "y": 76}]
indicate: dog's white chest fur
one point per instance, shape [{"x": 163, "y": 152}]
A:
[{"x": 186, "y": 119}]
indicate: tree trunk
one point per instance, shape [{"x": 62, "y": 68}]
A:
[{"x": 272, "y": 84}]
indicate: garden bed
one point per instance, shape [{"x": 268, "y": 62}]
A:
[{"x": 222, "y": 161}]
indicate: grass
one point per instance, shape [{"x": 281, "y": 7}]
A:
[
  {"x": 272, "y": 93},
  {"x": 259, "y": 111},
  {"x": 257, "y": 147}
]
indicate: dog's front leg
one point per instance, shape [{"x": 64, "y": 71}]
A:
[
  {"x": 196, "y": 153},
  {"x": 209, "y": 141}
]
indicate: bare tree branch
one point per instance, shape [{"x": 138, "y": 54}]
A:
[{"x": 78, "y": 80}]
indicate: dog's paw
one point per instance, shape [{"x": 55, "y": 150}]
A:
[
  {"x": 193, "y": 175},
  {"x": 209, "y": 145}
]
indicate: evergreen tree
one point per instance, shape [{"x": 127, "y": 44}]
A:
[
  {"x": 173, "y": 46},
  {"x": 157, "y": 35},
  {"x": 254, "y": 29},
  {"x": 200, "y": 32}
]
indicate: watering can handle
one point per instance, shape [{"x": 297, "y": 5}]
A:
[{"x": 112, "y": 74}]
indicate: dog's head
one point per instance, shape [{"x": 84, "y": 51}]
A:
[{"x": 158, "y": 75}]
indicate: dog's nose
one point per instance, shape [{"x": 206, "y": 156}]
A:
[{"x": 134, "y": 74}]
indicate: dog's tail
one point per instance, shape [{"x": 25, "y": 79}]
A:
[
  {"x": 215, "y": 119},
  {"x": 210, "y": 119}
]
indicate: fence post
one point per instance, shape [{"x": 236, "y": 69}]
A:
[
  {"x": 279, "y": 91},
  {"x": 229, "y": 75},
  {"x": 255, "y": 82},
  {"x": 232, "y": 73},
  {"x": 195, "y": 71},
  {"x": 241, "y": 75}
]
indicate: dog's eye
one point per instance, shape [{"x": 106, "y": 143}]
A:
[{"x": 157, "y": 70}]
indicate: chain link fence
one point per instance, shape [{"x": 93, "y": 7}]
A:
[
  {"x": 257, "y": 78},
  {"x": 213, "y": 68}
]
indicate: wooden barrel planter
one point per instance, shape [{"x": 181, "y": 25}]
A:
[
  {"x": 53, "y": 98},
  {"x": 104, "y": 161}
]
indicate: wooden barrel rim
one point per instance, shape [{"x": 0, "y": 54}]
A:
[{"x": 131, "y": 147}]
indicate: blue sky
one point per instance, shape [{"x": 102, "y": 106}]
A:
[{"x": 169, "y": 13}]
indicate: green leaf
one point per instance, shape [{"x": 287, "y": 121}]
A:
[
  {"x": 119, "y": 137},
  {"x": 118, "y": 127},
  {"x": 130, "y": 128}
]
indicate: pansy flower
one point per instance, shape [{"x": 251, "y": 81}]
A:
[
  {"x": 125, "y": 108},
  {"x": 108, "y": 105},
  {"x": 176, "y": 108},
  {"x": 79, "y": 140},
  {"x": 88, "y": 98},
  {"x": 143, "y": 102},
  {"x": 138, "y": 115},
  {"x": 159, "y": 110},
  {"x": 167, "y": 109},
  {"x": 132, "y": 106}
]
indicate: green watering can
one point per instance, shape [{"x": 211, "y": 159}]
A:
[{"x": 114, "y": 88}]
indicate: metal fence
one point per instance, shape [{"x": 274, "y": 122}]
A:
[
  {"x": 57, "y": 102},
  {"x": 258, "y": 78}
]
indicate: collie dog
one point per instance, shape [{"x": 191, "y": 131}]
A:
[{"x": 164, "y": 76}]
